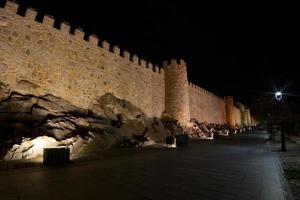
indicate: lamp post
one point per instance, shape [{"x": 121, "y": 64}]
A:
[
  {"x": 270, "y": 126},
  {"x": 278, "y": 97}
]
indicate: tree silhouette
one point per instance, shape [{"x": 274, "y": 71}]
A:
[{"x": 266, "y": 108}]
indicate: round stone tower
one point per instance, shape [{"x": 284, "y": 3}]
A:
[
  {"x": 176, "y": 90},
  {"x": 248, "y": 117},
  {"x": 230, "y": 114},
  {"x": 243, "y": 113}
]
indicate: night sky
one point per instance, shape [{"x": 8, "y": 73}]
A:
[{"x": 238, "y": 59}]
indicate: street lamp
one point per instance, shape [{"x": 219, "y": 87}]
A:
[{"x": 278, "y": 97}]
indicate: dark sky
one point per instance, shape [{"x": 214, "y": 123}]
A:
[{"x": 228, "y": 58}]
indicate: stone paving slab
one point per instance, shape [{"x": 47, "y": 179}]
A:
[{"x": 242, "y": 167}]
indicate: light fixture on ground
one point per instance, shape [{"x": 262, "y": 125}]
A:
[{"x": 56, "y": 155}]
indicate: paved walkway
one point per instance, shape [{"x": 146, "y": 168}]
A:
[
  {"x": 291, "y": 164},
  {"x": 242, "y": 167}
]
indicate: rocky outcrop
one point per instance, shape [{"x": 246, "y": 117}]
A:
[
  {"x": 203, "y": 130},
  {"x": 30, "y": 148},
  {"x": 27, "y": 118},
  {"x": 199, "y": 130},
  {"x": 29, "y": 122}
]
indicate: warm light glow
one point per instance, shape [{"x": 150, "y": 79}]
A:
[{"x": 44, "y": 142}]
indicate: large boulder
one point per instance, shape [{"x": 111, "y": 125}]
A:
[
  {"x": 48, "y": 118},
  {"x": 115, "y": 106},
  {"x": 195, "y": 129},
  {"x": 59, "y": 127},
  {"x": 30, "y": 148},
  {"x": 57, "y": 105}
]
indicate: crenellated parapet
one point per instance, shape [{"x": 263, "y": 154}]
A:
[
  {"x": 203, "y": 91},
  {"x": 31, "y": 14},
  {"x": 79, "y": 34},
  {"x": 11, "y": 6}
]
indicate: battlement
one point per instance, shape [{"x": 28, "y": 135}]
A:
[
  {"x": 203, "y": 91},
  {"x": 11, "y": 6},
  {"x": 31, "y": 13},
  {"x": 173, "y": 62},
  {"x": 65, "y": 27},
  {"x": 94, "y": 40},
  {"x": 79, "y": 35},
  {"x": 229, "y": 98}
]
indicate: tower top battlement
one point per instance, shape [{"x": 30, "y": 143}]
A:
[{"x": 173, "y": 62}]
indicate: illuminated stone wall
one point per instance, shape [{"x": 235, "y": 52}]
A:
[
  {"x": 205, "y": 106},
  {"x": 238, "y": 116},
  {"x": 241, "y": 107},
  {"x": 176, "y": 90},
  {"x": 38, "y": 58},
  {"x": 248, "y": 117},
  {"x": 230, "y": 113}
]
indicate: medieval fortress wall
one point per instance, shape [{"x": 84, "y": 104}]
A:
[
  {"x": 36, "y": 58},
  {"x": 205, "y": 106},
  {"x": 238, "y": 115}
]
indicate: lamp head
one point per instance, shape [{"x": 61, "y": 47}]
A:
[{"x": 278, "y": 96}]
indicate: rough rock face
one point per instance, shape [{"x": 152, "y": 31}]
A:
[
  {"x": 25, "y": 119},
  {"x": 203, "y": 130},
  {"x": 193, "y": 129},
  {"x": 4, "y": 91},
  {"x": 33, "y": 148},
  {"x": 199, "y": 130},
  {"x": 30, "y": 148}
]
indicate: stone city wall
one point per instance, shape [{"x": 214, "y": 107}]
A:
[
  {"x": 205, "y": 106},
  {"x": 38, "y": 58},
  {"x": 238, "y": 116}
]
